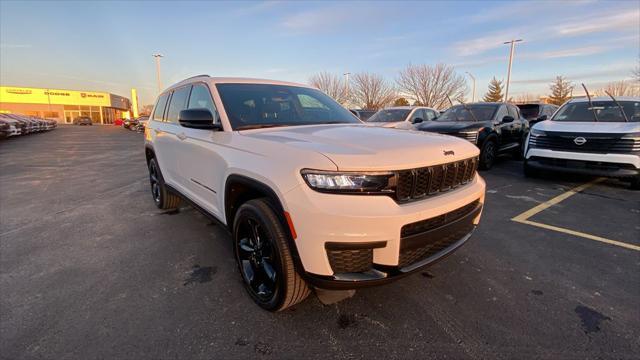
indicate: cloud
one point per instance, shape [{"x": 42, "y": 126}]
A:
[
  {"x": 618, "y": 20},
  {"x": 316, "y": 20},
  {"x": 15, "y": 46},
  {"x": 581, "y": 51},
  {"x": 256, "y": 7}
]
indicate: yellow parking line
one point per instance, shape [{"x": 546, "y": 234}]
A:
[{"x": 524, "y": 217}]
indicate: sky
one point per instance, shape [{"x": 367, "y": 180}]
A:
[{"x": 108, "y": 46}]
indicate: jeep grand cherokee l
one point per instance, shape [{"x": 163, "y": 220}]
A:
[
  {"x": 312, "y": 197},
  {"x": 494, "y": 127},
  {"x": 598, "y": 137}
]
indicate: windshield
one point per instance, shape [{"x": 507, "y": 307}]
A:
[
  {"x": 264, "y": 105},
  {"x": 607, "y": 111},
  {"x": 459, "y": 113},
  {"x": 529, "y": 112},
  {"x": 389, "y": 115}
]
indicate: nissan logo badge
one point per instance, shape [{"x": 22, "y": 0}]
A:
[{"x": 579, "y": 141}]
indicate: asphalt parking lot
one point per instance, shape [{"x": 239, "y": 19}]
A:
[{"x": 90, "y": 268}]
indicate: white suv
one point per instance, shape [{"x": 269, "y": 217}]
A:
[
  {"x": 312, "y": 196},
  {"x": 599, "y": 137}
]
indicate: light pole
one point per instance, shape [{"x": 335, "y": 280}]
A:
[
  {"x": 346, "y": 85},
  {"x": 513, "y": 44},
  {"x": 473, "y": 93},
  {"x": 158, "y": 56}
]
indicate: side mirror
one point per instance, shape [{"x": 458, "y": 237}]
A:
[
  {"x": 507, "y": 119},
  {"x": 417, "y": 120},
  {"x": 542, "y": 118},
  {"x": 198, "y": 119}
]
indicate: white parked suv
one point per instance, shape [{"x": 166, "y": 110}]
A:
[
  {"x": 402, "y": 117},
  {"x": 598, "y": 137},
  {"x": 312, "y": 197}
]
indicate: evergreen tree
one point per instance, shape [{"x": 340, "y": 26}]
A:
[
  {"x": 561, "y": 91},
  {"x": 401, "y": 102},
  {"x": 495, "y": 91}
]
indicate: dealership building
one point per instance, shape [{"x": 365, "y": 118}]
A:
[{"x": 64, "y": 105}]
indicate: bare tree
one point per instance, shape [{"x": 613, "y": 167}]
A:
[
  {"x": 526, "y": 98},
  {"x": 331, "y": 84},
  {"x": 146, "y": 110},
  {"x": 620, "y": 88},
  {"x": 371, "y": 91},
  {"x": 430, "y": 85},
  {"x": 636, "y": 73}
]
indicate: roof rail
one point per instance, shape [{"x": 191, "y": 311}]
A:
[{"x": 197, "y": 76}]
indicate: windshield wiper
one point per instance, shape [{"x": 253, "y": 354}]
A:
[
  {"x": 258, "y": 126},
  {"x": 595, "y": 115},
  {"x": 465, "y": 107},
  {"x": 626, "y": 119},
  {"x": 453, "y": 111}
]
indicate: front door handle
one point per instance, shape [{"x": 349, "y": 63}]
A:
[{"x": 181, "y": 136}]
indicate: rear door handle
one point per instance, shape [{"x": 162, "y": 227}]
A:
[{"x": 181, "y": 136}]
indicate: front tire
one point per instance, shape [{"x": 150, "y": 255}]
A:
[
  {"x": 488, "y": 154},
  {"x": 264, "y": 259},
  {"x": 635, "y": 183},
  {"x": 162, "y": 197}
]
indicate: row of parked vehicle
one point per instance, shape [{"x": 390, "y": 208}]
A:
[
  {"x": 590, "y": 129},
  {"x": 15, "y": 125}
]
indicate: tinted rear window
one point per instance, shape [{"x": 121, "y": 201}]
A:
[{"x": 530, "y": 112}]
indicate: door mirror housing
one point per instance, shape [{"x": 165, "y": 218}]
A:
[
  {"x": 542, "y": 118},
  {"x": 417, "y": 120},
  {"x": 507, "y": 119},
  {"x": 198, "y": 119}
]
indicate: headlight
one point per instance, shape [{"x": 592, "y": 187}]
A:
[
  {"x": 536, "y": 132},
  {"x": 350, "y": 182}
]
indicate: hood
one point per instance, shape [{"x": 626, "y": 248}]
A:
[
  {"x": 588, "y": 126},
  {"x": 452, "y": 126},
  {"x": 361, "y": 147}
]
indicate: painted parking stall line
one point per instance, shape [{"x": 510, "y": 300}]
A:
[{"x": 523, "y": 218}]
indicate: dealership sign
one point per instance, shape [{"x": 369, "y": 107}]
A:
[{"x": 53, "y": 96}]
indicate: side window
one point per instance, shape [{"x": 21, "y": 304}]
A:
[
  {"x": 178, "y": 103},
  {"x": 430, "y": 115},
  {"x": 417, "y": 114},
  {"x": 201, "y": 99},
  {"x": 158, "y": 110},
  {"x": 502, "y": 112},
  {"x": 307, "y": 101},
  {"x": 513, "y": 112}
]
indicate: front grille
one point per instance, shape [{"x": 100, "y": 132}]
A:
[
  {"x": 595, "y": 143},
  {"x": 410, "y": 252},
  {"x": 417, "y": 183},
  {"x": 469, "y": 136},
  {"x": 350, "y": 261}
]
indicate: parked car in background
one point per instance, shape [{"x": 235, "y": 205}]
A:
[
  {"x": 118, "y": 122},
  {"x": 311, "y": 195},
  {"x": 362, "y": 114},
  {"x": 82, "y": 120},
  {"x": 601, "y": 138},
  {"x": 142, "y": 123},
  {"x": 129, "y": 123},
  {"x": 17, "y": 124},
  {"x": 402, "y": 117},
  {"x": 495, "y": 128},
  {"x": 537, "y": 112}
]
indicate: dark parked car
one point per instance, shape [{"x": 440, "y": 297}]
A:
[
  {"x": 362, "y": 114},
  {"x": 83, "y": 120},
  {"x": 537, "y": 112},
  {"x": 494, "y": 127},
  {"x": 130, "y": 124}
]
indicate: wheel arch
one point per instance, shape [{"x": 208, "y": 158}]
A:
[{"x": 149, "y": 152}]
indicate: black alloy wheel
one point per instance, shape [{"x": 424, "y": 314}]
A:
[
  {"x": 488, "y": 154},
  {"x": 154, "y": 180},
  {"x": 256, "y": 258}
]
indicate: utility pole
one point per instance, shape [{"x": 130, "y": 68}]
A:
[
  {"x": 513, "y": 43},
  {"x": 158, "y": 56},
  {"x": 473, "y": 93},
  {"x": 346, "y": 86}
]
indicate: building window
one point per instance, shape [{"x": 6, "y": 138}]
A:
[{"x": 51, "y": 114}]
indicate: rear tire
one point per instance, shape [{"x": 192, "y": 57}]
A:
[
  {"x": 264, "y": 259},
  {"x": 488, "y": 154},
  {"x": 162, "y": 197}
]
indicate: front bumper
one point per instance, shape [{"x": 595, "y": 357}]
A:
[
  {"x": 326, "y": 221},
  {"x": 609, "y": 165}
]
